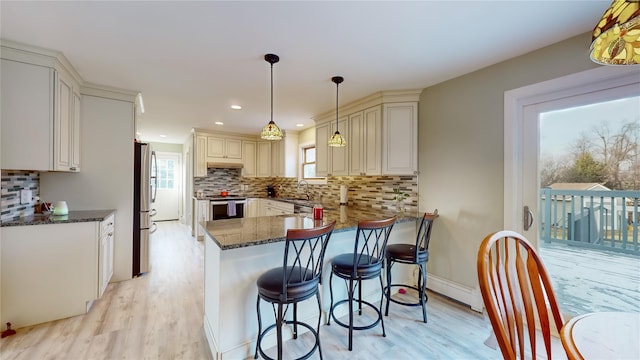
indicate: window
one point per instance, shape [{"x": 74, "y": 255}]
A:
[
  {"x": 166, "y": 174},
  {"x": 309, "y": 163}
]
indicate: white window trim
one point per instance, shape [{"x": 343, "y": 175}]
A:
[
  {"x": 320, "y": 181},
  {"x": 514, "y": 103}
]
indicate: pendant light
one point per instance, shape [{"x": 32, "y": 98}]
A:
[
  {"x": 337, "y": 140},
  {"x": 616, "y": 37},
  {"x": 271, "y": 131}
]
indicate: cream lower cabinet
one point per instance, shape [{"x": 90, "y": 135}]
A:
[
  {"x": 106, "y": 253},
  {"x": 202, "y": 215},
  {"x": 274, "y": 207},
  {"x": 252, "y": 207},
  {"x": 53, "y": 271}
]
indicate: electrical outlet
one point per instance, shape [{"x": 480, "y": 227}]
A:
[{"x": 25, "y": 197}]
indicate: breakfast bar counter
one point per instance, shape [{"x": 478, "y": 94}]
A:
[{"x": 238, "y": 251}]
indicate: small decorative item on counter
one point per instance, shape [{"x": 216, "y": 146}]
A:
[
  {"x": 318, "y": 212},
  {"x": 400, "y": 196}
]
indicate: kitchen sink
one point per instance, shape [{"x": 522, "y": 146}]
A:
[{"x": 301, "y": 205}]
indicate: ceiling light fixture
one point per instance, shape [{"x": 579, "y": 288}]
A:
[
  {"x": 616, "y": 37},
  {"x": 219, "y": 123},
  {"x": 271, "y": 131},
  {"x": 236, "y": 107},
  {"x": 337, "y": 140}
]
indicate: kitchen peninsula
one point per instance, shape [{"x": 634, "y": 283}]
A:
[{"x": 238, "y": 251}]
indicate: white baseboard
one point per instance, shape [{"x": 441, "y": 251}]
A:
[{"x": 458, "y": 292}]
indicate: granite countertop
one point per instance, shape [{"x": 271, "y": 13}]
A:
[
  {"x": 73, "y": 217},
  {"x": 243, "y": 232}
]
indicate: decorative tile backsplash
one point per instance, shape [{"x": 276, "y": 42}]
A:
[
  {"x": 12, "y": 182},
  {"x": 375, "y": 191}
]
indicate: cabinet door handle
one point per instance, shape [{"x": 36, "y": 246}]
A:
[{"x": 73, "y": 168}]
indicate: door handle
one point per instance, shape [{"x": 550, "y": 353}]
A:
[{"x": 527, "y": 218}]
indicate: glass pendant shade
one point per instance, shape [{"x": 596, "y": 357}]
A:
[
  {"x": 616, "y": 37},
  {"x": 271, "y": 131},
  {"x": 337, "y": 140}
]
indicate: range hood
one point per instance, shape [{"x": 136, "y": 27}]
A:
[{"x": 223, "y": 165}]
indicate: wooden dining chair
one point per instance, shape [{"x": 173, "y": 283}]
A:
[{"x": 517, "y": 294}]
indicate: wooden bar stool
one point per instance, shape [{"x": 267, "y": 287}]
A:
[
  {"x": 295, "y": 281},
  {"x": 364, "y": 263},
  {"x": 412, "y": 254}
]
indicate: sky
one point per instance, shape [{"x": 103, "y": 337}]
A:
[{"x": 560, "y": 128}]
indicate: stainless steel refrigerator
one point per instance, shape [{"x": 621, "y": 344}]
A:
[{"x": 144, "y": 193}]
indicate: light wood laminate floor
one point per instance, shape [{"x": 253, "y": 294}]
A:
[{"x": 159, "y": 316}]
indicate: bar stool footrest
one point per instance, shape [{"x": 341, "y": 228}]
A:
[
  {"x": 289, "y": 322},
  {"x": 388, "y": 288},
  {"x": 362, "y": 327}
]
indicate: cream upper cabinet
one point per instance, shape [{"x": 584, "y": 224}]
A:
[
  {"x": 75, "y": 138},
  {"x": 27, "y": 104},
  {"x": 365, "y": 142},
  {"x": 284, "y": 154},
  {"x": 381, "y": 133},
  {"x": 400, "y": 141},
  {"x": 200, "y": 156},
  {"x": 264, "y": 159},
  {"x": 339, "y": 164},
  {"x": 66, "y": 124},
  {"x": 249, "y": 160},
  {"x": 40, "y": 115},
  {"x": 322, "y": 149},
  {"x": 227, "y": 150}
]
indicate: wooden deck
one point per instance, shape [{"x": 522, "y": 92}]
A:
[{"x": 587, "y": 280}]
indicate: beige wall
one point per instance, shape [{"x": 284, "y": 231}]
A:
[
  {"x": 166, "y": 147},
  {"x": 307, "y": 136},
  {"x": 461, "y": 151}
]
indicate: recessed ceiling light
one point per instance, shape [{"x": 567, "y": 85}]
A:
[
  {"x": 163, "y": 136},
  {"x": 236, "y": 107},
  {"x": 299, "y": 125},
  {"x": 219, "y": 123}
]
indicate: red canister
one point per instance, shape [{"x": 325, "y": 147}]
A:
[{"x": 318, "y": 212}]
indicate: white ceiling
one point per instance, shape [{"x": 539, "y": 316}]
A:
[{"x": 192, "y": 60}]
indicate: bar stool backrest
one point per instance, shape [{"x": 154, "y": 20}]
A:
[
  {"x": 371, "y": 243},
  {"x": 424, "y": 235},
  {"x": 303, "y": 258}
]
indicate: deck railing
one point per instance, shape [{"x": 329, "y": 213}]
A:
[{"x": 597, "y": 219}]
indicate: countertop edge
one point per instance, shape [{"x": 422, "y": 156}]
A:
[
  {"x": 77, "y": 216},
  {"x": 338, "y": 229}
]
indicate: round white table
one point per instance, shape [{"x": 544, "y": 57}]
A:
[{"x": 602, "y": 335}]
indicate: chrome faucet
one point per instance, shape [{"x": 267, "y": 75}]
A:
[{"x": 307, "y": 183}]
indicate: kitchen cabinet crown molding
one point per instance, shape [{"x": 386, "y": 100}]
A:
[
  {"x": 235, "y": 135},
  {"x": 378, "y": 98},
  {"x": 108, "y": 92},
  {"x": 15, "y": 51}
]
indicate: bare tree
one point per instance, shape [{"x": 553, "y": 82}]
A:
[{"x": 615, "y": 149}]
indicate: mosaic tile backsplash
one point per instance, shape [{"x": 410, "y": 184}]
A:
[
  {"x": 375, "y": 191},
  {"x": 12, "y": 182}
]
